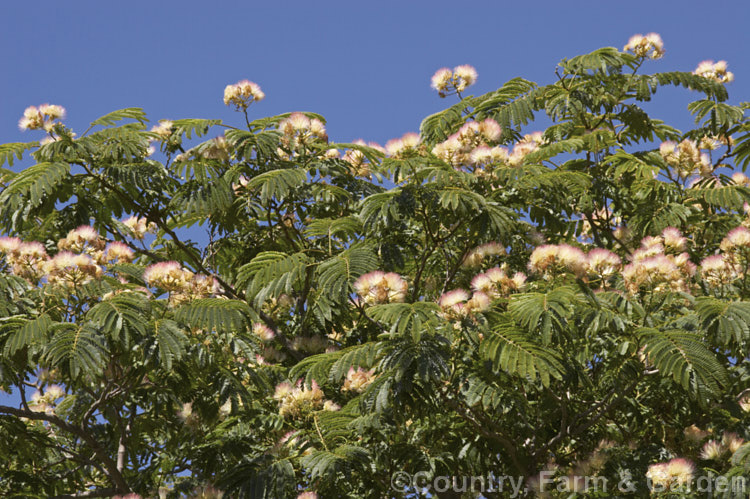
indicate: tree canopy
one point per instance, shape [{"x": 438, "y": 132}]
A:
[{"x": 200, "y": 308}]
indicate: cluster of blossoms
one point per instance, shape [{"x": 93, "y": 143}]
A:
[
  {"x": 42, "y": 117},
  {"x": 242, "y": 94},
  {"x": 496, "y": 283},
  {"x": 553, "y": 259},
  {"x": 378, "y": 287},
  {"x": 714, "y": 71},
  {"x": 715, "y": 450},
  {"x": 70, "y": 269},
  {"x": 686, "y": 157},
  {"x": 357, "y": 381},
  {"x": 672, "y": 475},
  {"x": 82, "y": 255},
  {"x": 24, "y": 259},
  {"x": 660, "y": 264},
  {"x": 46, "y": 402},
  {"x": 476, "y": 256},
  {"x": 744, "y": 401},
  {"x": 398, "y": 148},
  {"x": 299, "y": 131},
  {"x": 181, "y": 283},
  {"x": 312, "y": 344},
  {"x": 308, "y": 495},
  {"x": 163, "y": 130},
  {"x": 650, "y": 46},
  {"x": 217, "y": 149},
  {"x": 448, "y": 82},
  {"x": 723, "y": 268},
  {"x": 139, "y": 227},
  {"x": 459, "y": 148},
  {"x": 299, "y": 400},
  {"x": 263, "y": 332},
  {"x": 359, "y": 165},
  {"x": 457, "y": 304},
  {"x": 84, "y": 239}
]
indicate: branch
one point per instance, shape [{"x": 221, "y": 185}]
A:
[{"x": 111, "y": 467}]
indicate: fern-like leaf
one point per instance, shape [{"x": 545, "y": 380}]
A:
[
  {"x": 215, "y": 314},
  {"x": 411, "y": 319},
  {"x": 12, "y": 150},
  {"x": 511, "y": 350},
  {"x": 683, "y": 356}
]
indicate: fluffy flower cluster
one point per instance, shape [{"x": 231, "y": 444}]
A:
[
  {"x": 263, "y": 332},
  {"x": 717, "y": 271},
  {"x": 242, "y": 94},
  {"x": 471, "y": 144},
  {"x": 686, "y": 158},
  {"x": 82, "y": 254},
  {"x": 650, "y": 46},
  {"x": 139, "y": 227},
  {"x": 24, "y": 259},
  {"x": 672, "y": 475},
  {"x": 298, "y": 131},
  {"x": 308, "y": 495},
  {"x": 84, "y": 239},
  {"x": 42, "y": 117},
  {"x": 723, "y": 268},
  {"x": 70, "y": 269},
  {"x": 359, "y": 165},
  {"x": 528, "y": 144},
  {"x": 457, "y": 304},
  {"x": 715, "y": 450},
  {"x": 164, "y": 129},
  {"x": 311, "y": 344},
  {"x": 660, "y": 264},
  {"x": 476, "y": 256},
  {"x": 379, "y": 287},
  {"x": 299, "y": 400},
  {"x": 357, "y": 381},
  {"x": 398, "y": 148},
  {"x": 46, "y": 402},
  {"x": 181, "y": 283},
  {"x": 448, "y": 82},
  {"x": 495, "y": 283},
  {"x": 716, "y": 71},
  {"x": 552, "y": 259}
]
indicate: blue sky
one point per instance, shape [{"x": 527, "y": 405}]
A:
[{"x": 364, "y": 65}]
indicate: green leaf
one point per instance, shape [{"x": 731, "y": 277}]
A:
[
  {"x": 724, "y": 320},
  {"x": 413, "y": 319},
  {"x": 543, "y": 312},
  {"x": 683, "y": 356},
  {"x": 511, "y": 350},
  {"x": 272, "y": 273},
  {"x": 24, "y": 333},
  {"x": 170, "y": 340},
  {"x": 343, "y": 459},
  {"x": 277, "y": 184},
  {"x": 13, "y": 150},
  {"x": 110, "y": 119},
  {"x": 215, "y": 314},
  {"x": 34, "y": 184},
  {"x": 82, "y": 348},
  {"x": 127, "y": 311}
]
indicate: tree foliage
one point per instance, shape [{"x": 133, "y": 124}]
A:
[{"x": 267, "y": 313}]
